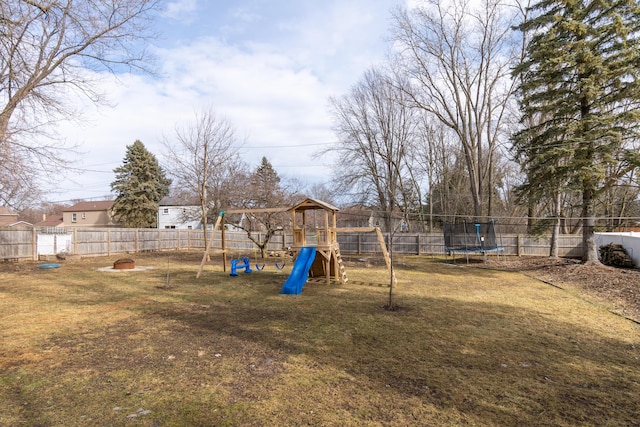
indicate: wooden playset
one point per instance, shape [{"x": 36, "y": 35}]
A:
[{"x": 314, "y": 224}]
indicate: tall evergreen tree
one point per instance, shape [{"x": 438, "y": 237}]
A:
[
  {"x": 140, "y": 185},
  {"x": 580, "y": 93},
  {"x": 265, "y": 192},
  {"x": 265, "y": 185}
]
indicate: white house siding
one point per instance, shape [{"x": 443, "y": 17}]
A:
[{"x": 174, "y": 217}]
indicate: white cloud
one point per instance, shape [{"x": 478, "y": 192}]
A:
[
  {"x": 263, "y": 93},
  {"x": 181, "y": 10},
  {"x": 273, "y": 85}
]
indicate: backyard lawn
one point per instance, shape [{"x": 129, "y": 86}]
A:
[{"x": 81, "y": 346}]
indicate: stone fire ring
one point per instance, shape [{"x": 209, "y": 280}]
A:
[{"x": 124, "y": 264}]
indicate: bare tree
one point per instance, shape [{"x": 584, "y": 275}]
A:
[
  {"x": 322, "y": 191},
  {"x": 266, "y": 195},
  {"x": 48, "y": 51},
  {"x": 203, "y": 158},
  {"x": 376, "y": 130},
  {"x": 459, "y": 55},
  {"x": 431, "y": 156},
  {"x": 18, "y": 188}
]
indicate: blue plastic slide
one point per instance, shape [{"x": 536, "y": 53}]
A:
[{"x": 300, "y": 271}]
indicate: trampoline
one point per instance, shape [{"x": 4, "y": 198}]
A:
[{"x": 471, "y": 238}]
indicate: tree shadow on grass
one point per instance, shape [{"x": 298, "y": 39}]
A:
[
  {"x": 492, "y": 363},
  {"x": 477, "y": 362}
]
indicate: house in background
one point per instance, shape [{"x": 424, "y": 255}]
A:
[
  {"x": 89, "y": 214},
  {"x": 7, "y": 217},
  {"x": 51, "y": 221},
  {"x": 179, "y": 214}
]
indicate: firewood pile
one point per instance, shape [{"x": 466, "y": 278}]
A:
[{"x": 614, "y": 255}]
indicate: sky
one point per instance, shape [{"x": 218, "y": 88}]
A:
[{"x": 267, "y": 67}]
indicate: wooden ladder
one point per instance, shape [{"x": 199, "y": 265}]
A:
[{"x": 341, "y": 270}]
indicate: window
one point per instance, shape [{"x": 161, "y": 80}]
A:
[
  {"x": 165, "y": 211},
  {"x": 84, "y": 215},
  {"x": 74, "y": 217}
]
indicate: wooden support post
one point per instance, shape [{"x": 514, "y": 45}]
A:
[
  {"x": 223, "y": 246},
  {"x": 387, "y": 258},
  {"x": 34, "y": 244},
  {"x": 209, "y": 243}
]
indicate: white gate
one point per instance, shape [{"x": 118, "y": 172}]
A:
[{"x": 53, "y": 244}]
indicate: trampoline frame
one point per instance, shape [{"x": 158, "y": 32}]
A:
[{"x": 471, "y": 238}]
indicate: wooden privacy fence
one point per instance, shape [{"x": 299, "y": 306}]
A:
[
  {"x": 32, "y": 243},
  {"x": 433, "y": 243},
  {"x": 17, "y": 243}
]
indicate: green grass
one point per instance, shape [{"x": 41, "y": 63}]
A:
[{"x": 467, "y": 347}]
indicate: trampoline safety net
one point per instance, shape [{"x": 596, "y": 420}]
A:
[{"x": 470, "y": 237}]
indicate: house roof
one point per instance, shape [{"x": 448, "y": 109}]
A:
[
  {"x": 7, "y": 211},
  {"x": 178, "y": 201},
  {"x": 52, "y": 221},
  {"x": 7, "y": 216},
  {"x": 310, "y": 203},
  {"x": 103, "y": 205},
  {"x": 21, "y": 224}
]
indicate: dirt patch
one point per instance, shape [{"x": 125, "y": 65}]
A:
[{"x": 618, "y": 288}]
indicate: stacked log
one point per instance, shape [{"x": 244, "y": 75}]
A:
[{"x": 614, "y": 255}]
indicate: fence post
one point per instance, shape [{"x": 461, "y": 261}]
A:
[
  {"x": 518, "y": 245},
  {"x": 34, "y": 244},
  {"x": 418, "y": 243},
  {"x": 108, "y": 242}
]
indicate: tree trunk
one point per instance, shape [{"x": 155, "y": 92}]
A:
[
  {"x": 589, "y": 250},
  {"x": 391, "y": 304},
  {"x": 531, "y": 222},
  {"x": 475, "y": 183},
  {"x": 553, "y": 249},
  {"x": 5, "y": 116}
]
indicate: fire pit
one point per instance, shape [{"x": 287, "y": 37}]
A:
[{"x": 124, "y": 264}]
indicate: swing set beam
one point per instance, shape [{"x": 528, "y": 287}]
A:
[{"x": 220, "y": 224}]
